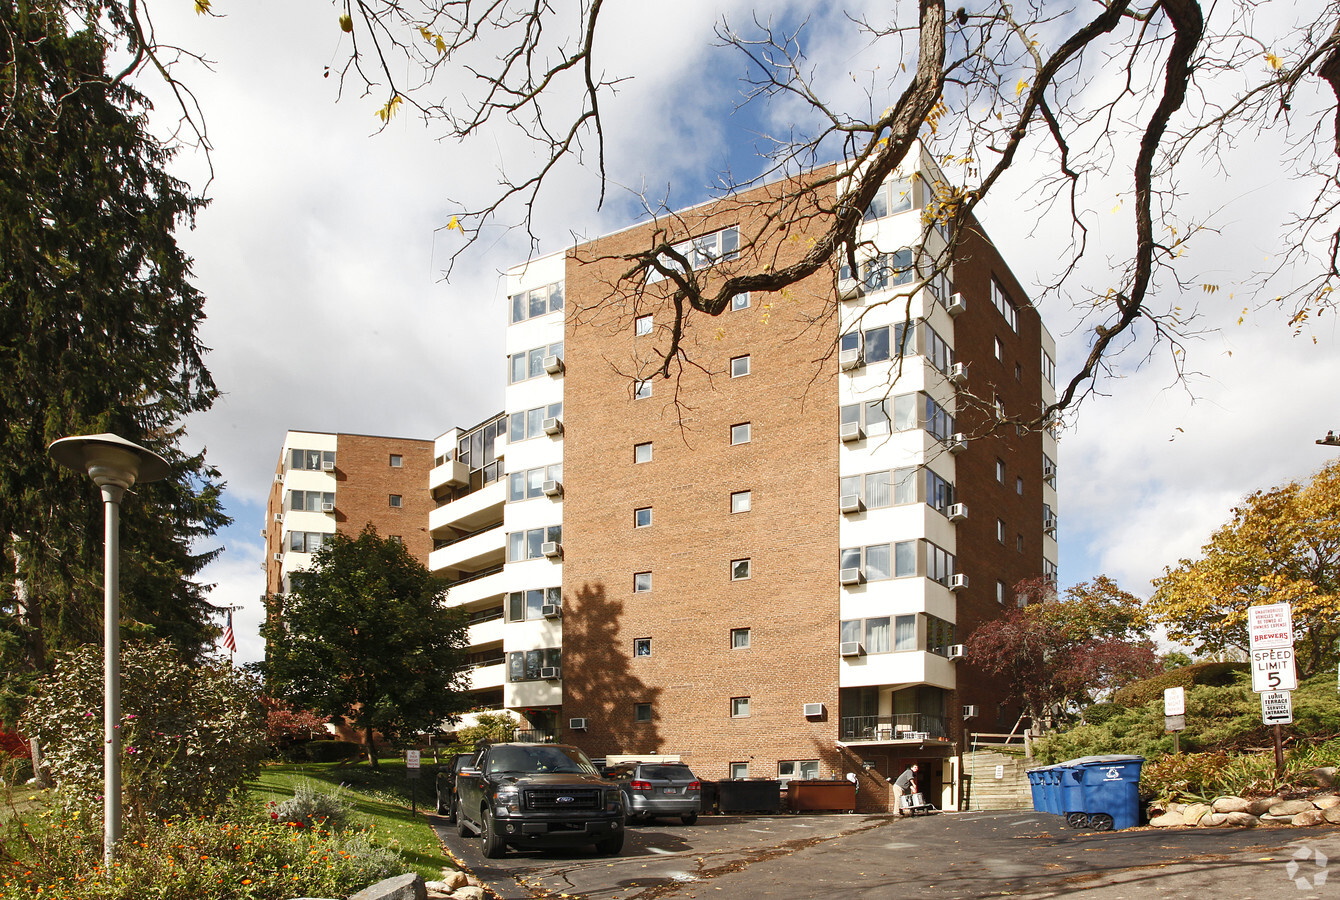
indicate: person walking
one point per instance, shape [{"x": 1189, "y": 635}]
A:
[{"x": 903, "y": 786}]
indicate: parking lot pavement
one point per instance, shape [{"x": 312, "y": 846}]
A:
[{"x": 1019, "y": 853}]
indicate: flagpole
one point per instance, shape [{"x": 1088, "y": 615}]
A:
[{"x": 229, "y": 637}]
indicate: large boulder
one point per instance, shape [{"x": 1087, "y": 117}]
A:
[
  {"x": 409, "y": 886},
  {"x": 1193, "y": 813},
  {"x": 1291, "y": 807},
  {"x": 1240, "y": 820},
  {"x": 1323, "y": 776},
  {"x": 1167, "y": 820},
  {"x": 1310, "y": 817},
  {"x": 1230, "y": 804}
]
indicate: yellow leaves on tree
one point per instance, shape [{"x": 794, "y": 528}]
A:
[
  {"x": 1281, "y": 546},
  {"x": 389, "y": 110}
]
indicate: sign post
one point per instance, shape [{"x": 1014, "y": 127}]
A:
[
  {"x": 412, "y": 772},
  {"x": 1270, "y": 629},
  {"x": 1174, "y": 713}
]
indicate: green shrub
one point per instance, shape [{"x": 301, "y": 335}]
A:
[
  {"x": 495, "y": 727},
  {"x": 311, "y": 807},
  {"x": 333, "y": 751},
  {"x": 1215, "y": 674},
  {"x": 1100, "y": 713}
]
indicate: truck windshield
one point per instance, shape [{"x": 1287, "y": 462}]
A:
[{"x": 539, "y": 760}]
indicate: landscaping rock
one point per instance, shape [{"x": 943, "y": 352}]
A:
[
  {"x": 1193, "y": 813},
  {"x": 1262, "y": 806},
  {"x": 1176, "y": 808},
  {"x": 1212, "y": 819},
  {"x": 409, "y": 886},
  {"x": 1326, "y": 801},
  {"x": 1230, "y": 804},
  {"x": 1291, "y": 807},
  {"x": 1323, "y": 777},
  {"x": 1241, "y": 820},
  {"x": 470, "y": 892},
  {"x": 1268, "y": 819},
  {"x": 1332, "y": 815},
  {"x": 1167, "y": 820},
  {"x": 455, "y": 879},
  {"x": 1310, "y": 817}
]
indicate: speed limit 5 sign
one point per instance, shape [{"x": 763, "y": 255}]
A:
[{"x": 1272, "y": 670}]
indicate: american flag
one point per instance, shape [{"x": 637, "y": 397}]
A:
[{"x": 228, "y": 640}]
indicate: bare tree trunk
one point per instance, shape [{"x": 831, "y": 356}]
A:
[{"x": 370, "y": 747}]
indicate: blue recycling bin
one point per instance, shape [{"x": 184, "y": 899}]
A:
[
  {"x": 1111, "y": 787},
  {"x": 1039, "y": 788},
  {"x": 1072, "y": 793}
]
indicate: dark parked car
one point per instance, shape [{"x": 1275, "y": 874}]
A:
[
  {"x": 446, "y": 783},
  {"x": 538, "y": 795},
  {"x": 658, "y": 789}
]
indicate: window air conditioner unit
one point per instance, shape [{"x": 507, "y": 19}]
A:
[
  {"x": 576, "y": 724},
  {"x": 956, "y": 652},
  {"x": 551, "y": 610},
  {"x": 849, "y": 359},
  {"x": 851, "y": 431},
  {"x": 1049, "y": 526},
  {"x": 327, "y": 507},
  {"x": 814, "y": 709},
  {"x": 958, "y": 373},
  {"x": 958, "y": 512},
  {"x": 850, "y": 288},
  {"x": 970, "y": 712},
  {"x": 279, "y": 478},
  {"x": 279, "y": 517},
  {"x": 328, "y": 465},
  {"x": 552, "y": 549},
  {"x": 958, "y": 443},
  {"x": 1049, "y": 471},
  {"x": 958, "y": 582},
  {"x": 553, "y": 489},
  {"x": 279, "y": 557},
  {"x": 956, "y": 304},
  {"x": 851, "y": 648},
  {"x": 553, "y": 364},
  {"x": 549, "y": 673},
  {"x": 553, "y": 425},
  {"x": 851, "y": 576},
  {"x": 851, "y": 503}
]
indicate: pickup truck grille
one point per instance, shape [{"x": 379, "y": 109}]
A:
[{"x": 563, "y": 799}]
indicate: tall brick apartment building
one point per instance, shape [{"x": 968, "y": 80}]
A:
[
  {"x": 339, "y": 483},
  {"x": 767, "y": 564}
]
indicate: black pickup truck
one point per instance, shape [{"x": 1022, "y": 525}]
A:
[{"x": 538, "y": 795}]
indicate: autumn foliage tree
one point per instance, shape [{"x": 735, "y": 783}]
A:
[
  {"x": 1061, "y": 653},
  {"x": 1279, "y": 546}
]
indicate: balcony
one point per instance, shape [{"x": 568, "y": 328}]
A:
[
  {"x": 476, "y": 586},
  {"x": 452, "y": 473},
  {"x": 903, "y": 728},
  {"x": 475, "y": 510},
  {"x": 535, "y": 735},
  {"x": 470, "y": 551}
]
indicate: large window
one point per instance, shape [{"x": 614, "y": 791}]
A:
[
  {"x": 1006, "y": 306},
  {"x": 529, "y": 424},
  {"x": 894, "y": 196},
  {"x": 902, "y": 413},
  {"x": 881, "y": 634},
  {"x": 530, "y": 364},
  {"x": 306, "y": 541},
  {"x": 528, "y": 665},
  {"x": 879, "y": 562},
  {"x": 939, "y": 635},
  {"x": 897, "y": 487},
  {"x": 878, "y": 344},
  {"x": 312, "y": 460},
  {"x": 530, "y": 483},
  {"x": 699, "y": 253},
  {"x": 311, "y": 501},
  {"x": 477, "y": 450},
  {"x": 537, "y": 302},
  {"x": 940, "y": 564},
  {"x": 936, "y": 350},
  {"x": 525, "y": 605},
  {"x": 800, "y": 769},
  {"x": 885, "y": 270},
  {"x": 529, "y": 544}
]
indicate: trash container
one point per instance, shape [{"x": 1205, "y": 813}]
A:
[
  {"x": 1051, "y": 789},
  {"x": 1072, "y": 804},
  {"x": 1037, "y": 783},
  {"x": 1112, "y": 791},
  {"x": 749, "y": 796},
  {"x": 709, "y": 796},
  {"x": 810, "y": 796}
]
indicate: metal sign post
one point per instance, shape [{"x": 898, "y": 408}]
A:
[
  {"x": 1270, "y": 629},
  {"x": 412, "y": 772},
  {"x": 1174, "y": 714}
]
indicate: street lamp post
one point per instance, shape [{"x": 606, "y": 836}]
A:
[{"x": 114, "y": 464}]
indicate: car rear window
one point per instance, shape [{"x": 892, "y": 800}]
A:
[{"x": 668, "y": 773}]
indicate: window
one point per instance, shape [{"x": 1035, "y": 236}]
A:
[
  {"x": 528, "y": 665},
  {"x": 800, "y": 769},
  {"x": 395, "y": 539},
  {"x": 529, "y": 424},
  {"x": 1000, "y": 470},
  {"x": 1018, "y": 372},
  {"x": 537, "y": 302},
  {"x": 396, "y": 501},
  {"x": 879, "y": 344},
  {"x": 641, "y": 582},
  {"x": 739, "y": 707},
  {"x": 530, "y": 363},
  {"x": 700, "y": 252},
  {"x": 741, "y": 501},
  {"x": 1001, "y": 591},
  {"x": 642, "y": 325},
  {"x": 397, "y": 460},
  {"x": 641, "y": 712},
  {"x": 939, "y": 635},
  {"x": 940, "y": 564},
  {"x": 1000, "y": 530},
  {"x": 894, "y": 196},
  {"x": 530, "y": 484},
  {"x": 739, "y": 569},
  {"x": 1048, "y": 471},
  {"x": 880, "y": 489},
  {"x": 937, "y": 350},
  {"x": 1019, "y": 485},
  {"x": 310, "y": 501},
  {"x": 642, "y": 517},
  {"x": 739, "y": 434},
  {"x": 739, "y": 302},
  {"x": 739, "y": 366},
  {"x": 909, "y": 411},
  {"x": 312, "y": 460},
  {"x": 739, "y": 770},
  {"x": 1049, "y": 571},
  {"x": 1048, "y": 369},
  {"x": 529, "y": 544},
  {"x": 1006, "y": 306},
  {"x": 305, "y": 541},
  {"x": 641, "y": 647},
  {"x": 642, "y": 389},
  {"x": 739, "y": 638},
  {"x": 999, "y": 349},
  {"x": 882, "y": 634},
  {"x": 881, "y": 561},
  {"x": 884, "y": 270},
  {"x": 642, "y": 452},
  {"x": 526, "y": 605},
  {"x": 1019, "y": 543}
]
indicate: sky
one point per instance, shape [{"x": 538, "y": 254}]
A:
[{"x": 322, "y": 255}]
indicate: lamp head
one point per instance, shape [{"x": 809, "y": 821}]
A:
[{"x": 109, "y": 460}]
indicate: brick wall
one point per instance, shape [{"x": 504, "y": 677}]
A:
[{"x": 365, "y": 481}]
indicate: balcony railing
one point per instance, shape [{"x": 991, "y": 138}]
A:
[
  {"x": 473, "y": 576},
  {"x": 892, "y": 728},
  {"x": 439, "y": 544},
  {"x": 535, "y": 736}
]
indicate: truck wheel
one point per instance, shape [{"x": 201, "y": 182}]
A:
[
  {"x": 611, "y": 845},
  {"x": 442, "y": 808},
  {"x": 450, "y": 811},
  {"x": 494, "y": 845},
  {"x": 689, "y": 819}
]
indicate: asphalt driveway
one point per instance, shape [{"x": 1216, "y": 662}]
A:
[{"x": 984, "y": 854}]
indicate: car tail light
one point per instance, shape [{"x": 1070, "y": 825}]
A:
[
  {"x": 639, "y": 785},
  {"x": 695, "y": 786}
]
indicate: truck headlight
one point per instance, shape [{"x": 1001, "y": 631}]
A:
[
  {"x": 506, "y": 800},
  {"x": 613, "y": 801}
]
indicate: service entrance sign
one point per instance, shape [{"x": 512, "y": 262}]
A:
[{"x": 1277, "y": 707}]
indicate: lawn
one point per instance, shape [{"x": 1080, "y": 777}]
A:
[{"x": 380, "y": 799}]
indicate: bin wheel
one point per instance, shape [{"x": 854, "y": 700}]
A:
[
  {"x": 1077, "y": 819},
  {"x": 1100, "y": 822}
]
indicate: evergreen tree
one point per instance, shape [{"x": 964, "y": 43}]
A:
[{"x": 98, "y": 332}]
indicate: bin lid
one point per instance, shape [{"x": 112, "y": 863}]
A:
[{"x": 1103, "y": 760}]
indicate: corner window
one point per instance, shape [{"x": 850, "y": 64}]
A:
[
  {"x": 739, "y": 434},
  {"x": 739, "y": 569},
  {"x": 739, "y": 707},
  {"x": 641, "y": 647},
  {"x": 396, "y": 501},
  {"x": 642, "y": 325},
  {"x": 642, "y": 517},
  {"x": 642, "y": 452},
  {"x": 641, "y": 582},
  {"x": 397, "y": 460},
  {"x": 741, "y": 501},
  {"x": 739, "y": 638},
  {"x": 739, "y": 366},
  {"x": 641, "y": 712},
  {"x": 537, "y": 302}
]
